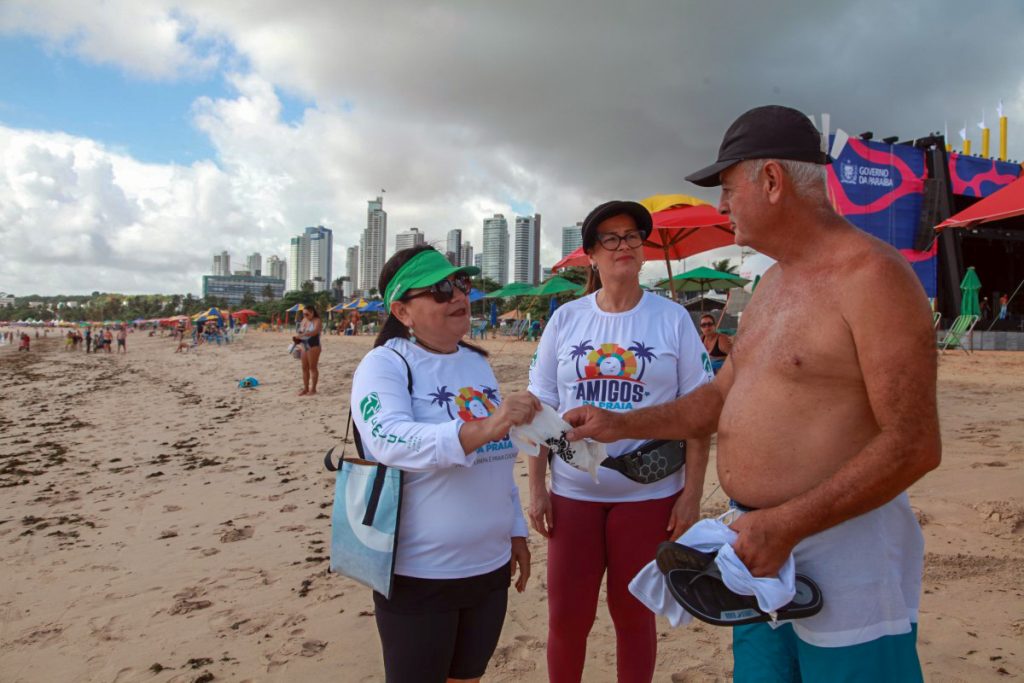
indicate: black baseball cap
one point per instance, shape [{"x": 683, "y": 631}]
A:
[
  {"x": 770, "y": 132},
  {"x": 616, "y": 207}
]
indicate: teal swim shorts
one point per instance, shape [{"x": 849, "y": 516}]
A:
[{"x": 762, "y": 654}]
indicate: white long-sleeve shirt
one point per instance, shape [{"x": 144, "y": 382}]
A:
[{"x": 459, "y": 511}]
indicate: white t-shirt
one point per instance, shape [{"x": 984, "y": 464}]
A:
[
  {"x": 459, "y": 512},
  {"x": 618, "y": 361}
]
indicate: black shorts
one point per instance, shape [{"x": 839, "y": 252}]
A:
[{"x": 435, "y": 629}]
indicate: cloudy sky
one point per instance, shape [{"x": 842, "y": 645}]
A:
[{"x": 139, "y": 137}]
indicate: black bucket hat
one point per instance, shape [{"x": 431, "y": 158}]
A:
[
  {"x": 770, "y": 132},
  {"x": 616, "y": 207}
]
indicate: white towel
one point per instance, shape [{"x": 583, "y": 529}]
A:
[
  {"x": 548, "y": 429},
  {"x": 713, "y": 535}
]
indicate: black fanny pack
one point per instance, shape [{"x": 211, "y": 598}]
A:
[{"x": 652, "y": 461}]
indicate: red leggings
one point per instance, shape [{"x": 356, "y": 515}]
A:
[{"x": 587, "y": 538}]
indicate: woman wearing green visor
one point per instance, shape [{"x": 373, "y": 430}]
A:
[{"x": 462, "y": 531}]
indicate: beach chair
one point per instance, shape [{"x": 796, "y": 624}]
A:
[
  {"x": 477, "y": 329},
  {"x": 936, "y": 319},
  {"x": 961, "y": 330}
]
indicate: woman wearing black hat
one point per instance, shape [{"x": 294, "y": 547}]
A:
[
  {"x": 429, "y": 405},
  {"x": 618, "y": 348}
]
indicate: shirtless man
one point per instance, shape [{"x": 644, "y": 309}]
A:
[{"x": 817, "y": 440}]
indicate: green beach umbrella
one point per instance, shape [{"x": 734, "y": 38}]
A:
[
  {"x": 704, "y": 279},
  {"x": 511, "y": 289},
  {"x": 970, "y": 287},
  {"x": 555, "y": 285}
]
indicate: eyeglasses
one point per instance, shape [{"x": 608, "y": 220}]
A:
[
  {"x": 611, "y": 241},
  {"x": 444, "y": 290}
]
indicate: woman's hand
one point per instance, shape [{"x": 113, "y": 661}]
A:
[
  {"x": 521, "y": 557},
  {"x": 541, "y": 518},
  {"x": 685, "y": 513},
  {"x": 516, "y": 409}
]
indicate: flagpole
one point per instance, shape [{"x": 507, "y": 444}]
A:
[{"x": 1002, "y": 138}]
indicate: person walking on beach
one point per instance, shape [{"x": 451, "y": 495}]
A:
[
  {"x": 462, "y": 532},
  {"x": 1004, "y": 302},
  {"x": 108, "y": 340},
  {"x": 122, "y": 339},
  {"x": 817, "y": 442},
  {"x": 621, "y": 348},
  {"x": 308, "y": 335}
]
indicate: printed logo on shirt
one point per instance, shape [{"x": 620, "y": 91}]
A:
[
  {"x": 469, "y": 403},
  {"x": 611, "y": 377},
  {"x": 369, "y": 406}
]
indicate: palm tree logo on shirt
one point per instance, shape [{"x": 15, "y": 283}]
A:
[
  {"x": 443, "y": 397},
  {"x": 491, "y": 394},
  {"x": 579, "y": 351},
  {"x": 644, "y": 353}
]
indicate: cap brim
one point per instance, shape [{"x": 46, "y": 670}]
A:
[
  {"x": 708, "y": 176},
  {"x": 436, "y": 276}
]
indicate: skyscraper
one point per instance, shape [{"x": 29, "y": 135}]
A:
[
  {"x": 277, "y": 268},
  {"x": 254, "y": 264},
  {"x": 409, "y": 239},
  {"x": 321, "y": 248},
  {"x": 298, "y": 254},
  {"x": 478, "y": 261},
  {"x": 466, "y": 255},
  {"x": 572, "y": 238},
  {"x": 527, "y": 256},
  {"x": 372, "y": 245},
  {"x": 454, "y": 246},
  {"x": 222, "y": 263},
  {"x": 352, "y": 269},
  {"x": 496, "y": 249}
]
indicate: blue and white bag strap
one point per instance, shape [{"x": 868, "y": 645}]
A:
[{"x": 328, "y": 461}]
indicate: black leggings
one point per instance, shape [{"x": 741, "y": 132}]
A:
[{"x": 435, "y": 629}]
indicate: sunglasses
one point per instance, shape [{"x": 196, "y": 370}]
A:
[
  {"x": 707, "y": 324},
  {"x": 444, "y": 290}
]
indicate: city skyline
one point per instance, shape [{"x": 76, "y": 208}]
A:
[{"x": 129, "y": 157}]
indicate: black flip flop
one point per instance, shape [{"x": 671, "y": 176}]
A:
[
  {"x": 672, "y": 555},
  {"x": 703, "y": 594}
]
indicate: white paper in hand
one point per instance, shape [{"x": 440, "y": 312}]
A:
[{"x": 548, "y": 429}]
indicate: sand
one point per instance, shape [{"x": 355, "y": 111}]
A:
[{"x": 160, "y": 524}]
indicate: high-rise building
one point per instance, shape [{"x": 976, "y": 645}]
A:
[
  {"x": 478, "y": 261},
  {"x": 321, "y": 250},
  {"x": 496, "y": 249},
  {"x": 527, "y": 256},
  {"x": 352, "y": 269},
  {"x": 466, "y": 255},
  {"x": 222, "y": 263},
  {"x": 572, "y": 238},
  {"x": 254, "y": 264},
  {"x": 277, "y": 268},
  {"x": 409, "y": 239},
  {"x": 372, "y": 245},
  {"x": 454, "y": 246},
  {"x": 234, "y": 288},
  {"x": 298, "y": 254}
]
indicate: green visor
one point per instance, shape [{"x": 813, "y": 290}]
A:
[{"x": 422, "y": 270}]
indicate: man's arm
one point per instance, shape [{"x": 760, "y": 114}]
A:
[
  {"x": 692, "y": 416},
  {"x": 899, "y": 368}
]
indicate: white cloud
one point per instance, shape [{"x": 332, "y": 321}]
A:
[{"x": 460, "y": 111}]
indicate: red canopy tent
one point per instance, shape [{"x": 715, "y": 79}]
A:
[{"x": 1005, "y": 203}]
